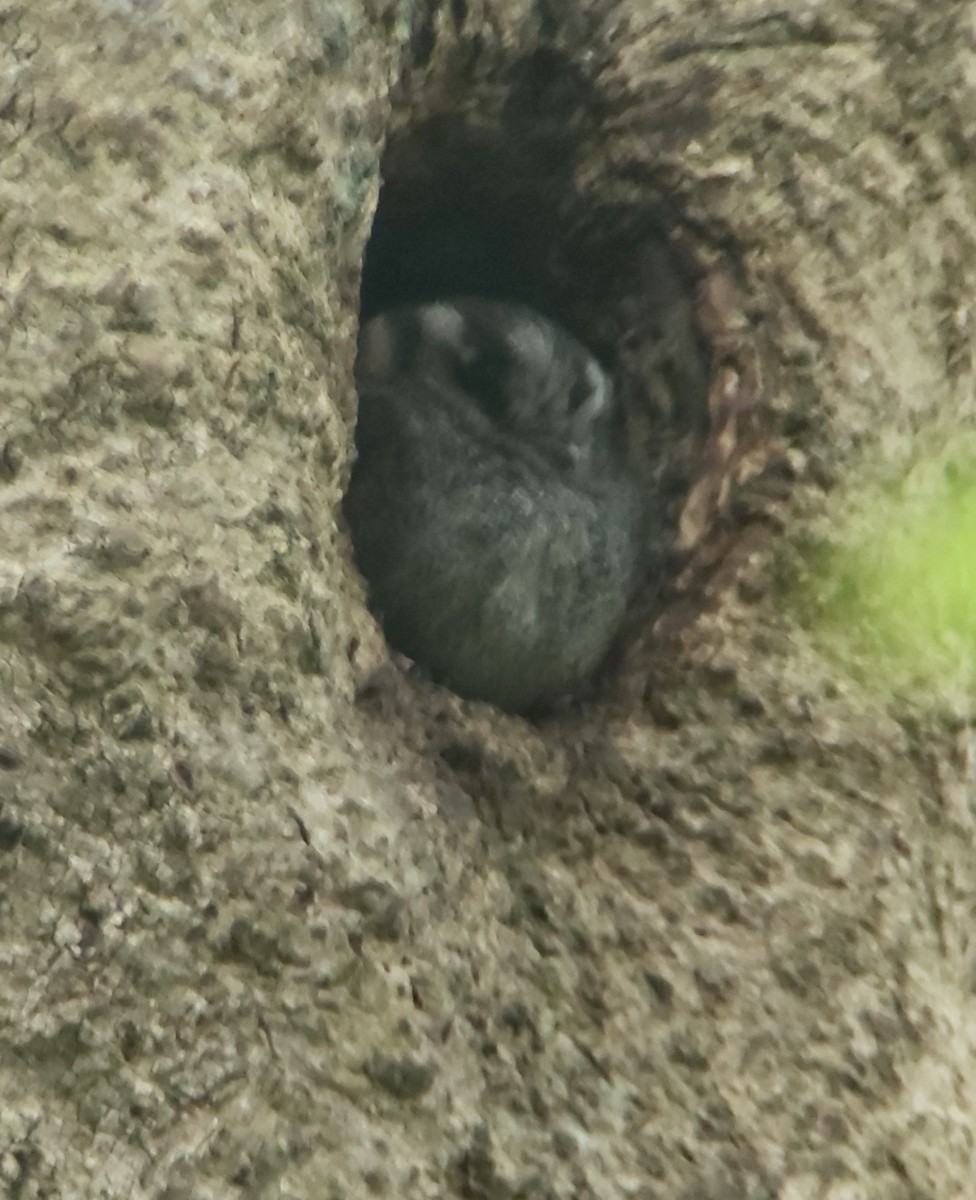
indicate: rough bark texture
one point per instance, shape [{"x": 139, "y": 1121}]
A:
[{"x": 277, "y": 919}]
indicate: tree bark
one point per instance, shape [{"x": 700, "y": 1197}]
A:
[{"x": 279, "y": 917}]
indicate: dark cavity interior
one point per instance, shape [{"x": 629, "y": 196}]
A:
[{"x": 508, "y": 200}]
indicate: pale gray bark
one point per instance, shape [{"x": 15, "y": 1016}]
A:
[{"x": 279, "y": 920}]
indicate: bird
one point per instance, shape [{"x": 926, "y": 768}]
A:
[{"x": 492, "y": 507}]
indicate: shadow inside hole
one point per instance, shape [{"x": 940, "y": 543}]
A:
[{"x": 462, "y": 213}]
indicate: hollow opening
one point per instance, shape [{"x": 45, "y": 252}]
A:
[{"x": 508, "y": 204}]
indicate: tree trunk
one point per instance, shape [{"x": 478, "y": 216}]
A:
[{"x": 279, "y": 916}]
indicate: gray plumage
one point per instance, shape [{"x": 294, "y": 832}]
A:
[{"x": 492, "y": 509}]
